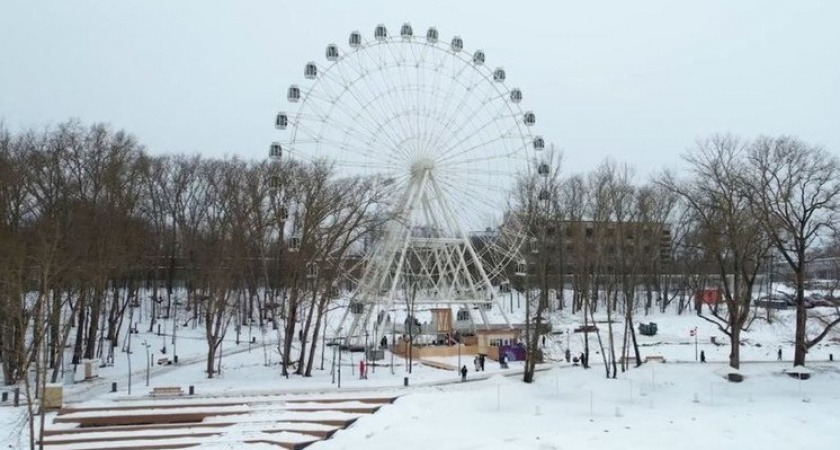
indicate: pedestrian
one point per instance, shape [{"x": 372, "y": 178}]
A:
[
  {"x": 362, "y": 368},
  {"x": 384, "y": 342},
  {"x": 702, "y": 356},
  {"x": 568, "y": 355},
  {"x": 481, "y": 362},
  {"x": 543, "y": 341},
  {"x": 477, "y": 364},
  {"x": 464, "y": 372},
  {"x": 779, "y": 354}
]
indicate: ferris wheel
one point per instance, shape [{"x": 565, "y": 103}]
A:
[{"x": 441, "y": 126}]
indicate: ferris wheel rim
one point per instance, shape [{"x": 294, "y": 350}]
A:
[{"x": 520, "y": 129}]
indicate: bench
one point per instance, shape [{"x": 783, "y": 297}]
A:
[
  {"x": 166, "y": 391},
  {"x": 658, "y": 358},
  {"x": 627, "y": 359},
  {"x": 164, "y": 361}
]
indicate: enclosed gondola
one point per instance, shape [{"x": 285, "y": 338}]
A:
[
  {"x": 432, "y": 35},
  {"x": 310, "y": 71},
  {"x": 479, "y": 57},
  {"x": 457, "y": 44},
  {"x": 281, "y": 121},
  {"x": 293, "y": 94},
  {"x": 499, "y": 74},
  {"x": 380, "y": 33}
]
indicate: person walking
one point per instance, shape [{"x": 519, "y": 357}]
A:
[
  {"x": 477, "y": 364},
  {"x": 702, "y": 356},
  {"x": 481, "y": 362},
  {"x": 464, "y": 372},
  {"x": 779, "y": 354},
  {"x": 362, "y": 368}
]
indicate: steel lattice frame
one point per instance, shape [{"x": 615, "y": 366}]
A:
[{"x": 441, "y": 126}]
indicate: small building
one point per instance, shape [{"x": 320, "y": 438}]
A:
[{"x": 491, "y": 341}]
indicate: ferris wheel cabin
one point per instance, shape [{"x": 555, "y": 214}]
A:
[
  {"x": 478, "y": 57},
  {"x": 282, "y": 121},
  {"x": 310, "y": 71},
  {"x": 432, "y": 35},
  {"x": 293, "y": 94},
  {"x": 457, "y": 44},
  {"x": 380, "y": 33},
  {"x": 355, "y": 39},
  {"x": 406, "y": 32}
]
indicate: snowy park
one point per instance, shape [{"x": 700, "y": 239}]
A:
[{"x": 448, "y": 225}]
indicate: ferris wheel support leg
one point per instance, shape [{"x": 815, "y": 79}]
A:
[
  {"x": 343, "y": 321},
  {"x": 488, "y": 286},
  {"x": 416, "y": 186}
]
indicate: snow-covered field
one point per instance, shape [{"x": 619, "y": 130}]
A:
[
  {"x": 680, "y": 403},
  {"x": 649, "y": 408}
]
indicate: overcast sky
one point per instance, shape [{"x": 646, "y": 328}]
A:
[{"x": 637, "y": 81}]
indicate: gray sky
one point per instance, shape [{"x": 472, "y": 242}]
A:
[{"x": 637, "y": 81}]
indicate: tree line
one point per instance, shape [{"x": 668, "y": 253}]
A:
[
  {"x": 625, "y": 246},
  {"x": 91, "y": 224}
]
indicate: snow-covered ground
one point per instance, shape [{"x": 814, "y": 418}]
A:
[
  {"x": 656, "y": 406},
  {"x": 659, "y": 406}
]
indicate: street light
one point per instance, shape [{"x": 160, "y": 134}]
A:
[
  {"x": 366, "y": 354},
  {"x": 148, "y": 361},
  {"x": 339, "y": 358}
]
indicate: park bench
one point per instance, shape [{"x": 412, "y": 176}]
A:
[
  {"x": 164, "y": 361},
  {"x": 658, "y": 358},
  {"x": 628, "y": 359},
  {"x": 166, "y": 391}
]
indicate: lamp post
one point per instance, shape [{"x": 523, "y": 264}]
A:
[
  {"x": 459, "y": 354},
  {"x": 148, "y": 362},
  {"x": 393, "y": 341},
  {"x": 339, "y": 358}
]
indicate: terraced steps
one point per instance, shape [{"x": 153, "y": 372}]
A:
[{"x": 291, "y": 423}]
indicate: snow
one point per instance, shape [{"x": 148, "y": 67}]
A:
[
  {"x": 656, "y": 406},
  {"x": 648, "y": 408}
]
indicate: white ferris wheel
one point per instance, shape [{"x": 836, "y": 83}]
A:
[{"x": 441, "y": 125}]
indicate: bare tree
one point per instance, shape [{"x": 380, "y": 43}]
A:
[
  {"x": 794, "y": 190},
  {"x": 729, "y": 231}
]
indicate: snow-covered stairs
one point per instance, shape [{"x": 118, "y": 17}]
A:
[{"x": 286, "y": 422}]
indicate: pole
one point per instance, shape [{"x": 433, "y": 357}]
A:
[
  {"x": 148, "y": 362},
  {"x": 393, "y": 342},
  {"x": 696, "y": 357},
  {"x": 128, "y": 356},
  {"x": 459, "y": 354},
  {"x": 332, "y": 368},
  {"x": 339, "y": 360}
]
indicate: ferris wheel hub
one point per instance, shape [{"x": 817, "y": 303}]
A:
[{"x": 422, "y": 165}]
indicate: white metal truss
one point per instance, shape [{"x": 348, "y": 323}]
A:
[
  {"x": 441, "y": 124},
  {"x": 441, "y": 270}
]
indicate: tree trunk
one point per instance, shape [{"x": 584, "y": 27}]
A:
[{"x": 800, "y": 348}]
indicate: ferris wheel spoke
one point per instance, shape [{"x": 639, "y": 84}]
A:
[
  {"x": 442, "y": 111},
  {"x": 356, "y": 94},
  {"x": 451, "y": 154},
  {"x": 467, "y": 118},
  {"x": 471, "y": 122}
]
